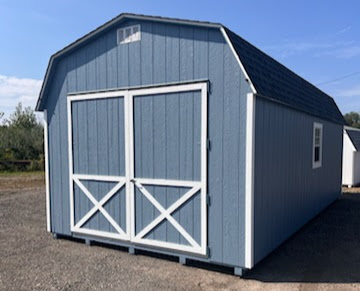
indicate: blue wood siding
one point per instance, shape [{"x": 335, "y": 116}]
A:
[
  {"x": 288, "y": 191},
  {"x": 167, "y": 146},
  {"x": 166, "y": 53}
]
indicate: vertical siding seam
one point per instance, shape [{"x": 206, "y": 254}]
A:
[
  {"x": 152, "y": 118},
  {"x": 222, "y": 154},
  {"x": 97, "y": 105},
  {"x": 97, "y": 157},
  {"x": 141, "y": 170},
  {"x": 128, "y": 64},
  {"x": 87, "y": 136},
  {"x": 117, "y": 65},
  {"x": 207, "y": 136},
  {"x": 60, "y": 153},
  {"x": 107, "y": 106},
  {"x": 140, "y": 64},
  {"x": 141, "y": 129},
  {"x": 66, "y": 161},
  {"x": 96, "y": 61},
  {"x": 166, "y": 173},
  {"x": 179, "y": 128},
  {"x": 108, "y": 137},
  {"x": 239, "y": 164},
  {"x": 76, "y": 71},
  {"x": 106, "y": 63},
  {"x": 86, "y": 64},
  {"x": 193, "y": 121}
]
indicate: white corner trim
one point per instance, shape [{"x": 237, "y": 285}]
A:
[
  {"x": 249, "y": 181},
  {"x": 222, "y": 29},
  {"x": 47, "y": 185}
]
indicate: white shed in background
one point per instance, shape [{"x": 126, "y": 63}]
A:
[{"x": 351, "y": 157}]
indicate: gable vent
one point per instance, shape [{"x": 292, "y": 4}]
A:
[{"x": 128, "y": 34}]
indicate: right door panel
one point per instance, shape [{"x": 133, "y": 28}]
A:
[{"x": 168, "y": 194}]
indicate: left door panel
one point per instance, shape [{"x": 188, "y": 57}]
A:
[{"x": 98, "y": 178}]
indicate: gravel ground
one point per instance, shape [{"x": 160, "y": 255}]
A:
[{"x": 324, "y": 255}]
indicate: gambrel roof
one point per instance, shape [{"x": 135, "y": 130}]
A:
[
  {"x": 273, "y": 80},
  {"x": 267, "y": 77}
]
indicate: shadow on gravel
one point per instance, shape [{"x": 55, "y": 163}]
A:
[{"x": 327, "y": 250}]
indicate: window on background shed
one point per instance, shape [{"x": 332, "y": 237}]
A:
[
  {"x": 128, "y": 34},
  {"x": 317, "y": 145}
]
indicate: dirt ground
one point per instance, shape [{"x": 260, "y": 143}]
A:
[{"x": 324, "y": 255}]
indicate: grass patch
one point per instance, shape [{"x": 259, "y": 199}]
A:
[{"x": 21, "y": 173}]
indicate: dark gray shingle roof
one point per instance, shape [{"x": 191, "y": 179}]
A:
[
  {"x": 273, "y": 80},
  {"x": 355, "y": 138}
]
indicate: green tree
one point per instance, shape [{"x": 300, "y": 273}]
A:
[
  {"x": 21, "y": 136},
  {"x": 352, "y": 119}
]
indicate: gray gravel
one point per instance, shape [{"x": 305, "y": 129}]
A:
[{"x": 324, "y": 255}]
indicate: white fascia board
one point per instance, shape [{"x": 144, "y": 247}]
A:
[{"x": 228, "y": 41}]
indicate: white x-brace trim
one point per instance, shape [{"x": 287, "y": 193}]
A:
[
  {"x": 98, "y": 205},
  {"x": 166, "y": 213}
]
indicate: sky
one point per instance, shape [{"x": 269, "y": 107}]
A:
[{"x": 318, "y": 39}]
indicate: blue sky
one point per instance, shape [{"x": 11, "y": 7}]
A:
[{"x": 319, "y": 40}]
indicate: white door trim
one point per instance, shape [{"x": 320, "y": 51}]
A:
[
  {"x": 194, "y": 246},
  {"x": 77, "y": 178},
  {"x": 130, "y": 181}
]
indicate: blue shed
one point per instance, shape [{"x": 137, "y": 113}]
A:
[{"x": 179, "y": 137}]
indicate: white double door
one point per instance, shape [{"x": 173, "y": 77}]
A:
[{"x": 137, "y": 163}]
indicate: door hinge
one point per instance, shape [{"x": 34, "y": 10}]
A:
[
  {"x": 208, "y": 200},
  {"x": 208, "y": 144}
]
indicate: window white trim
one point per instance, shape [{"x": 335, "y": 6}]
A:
[
  {"x": 134, "y": 34},
  {"x": 317, "y": 164}
]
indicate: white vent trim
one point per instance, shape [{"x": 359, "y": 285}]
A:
[{"x": 129, "y": 34}]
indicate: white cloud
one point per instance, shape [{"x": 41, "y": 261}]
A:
[
  {"x": 352, "y": 92},
  {"x": 344, "y": 30},
  {"x": 340, "y": 49},
  {"x": 348, "y": 52},
  {"x": 14, "y": 90},
  {"x": 289, "y": 48}
]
